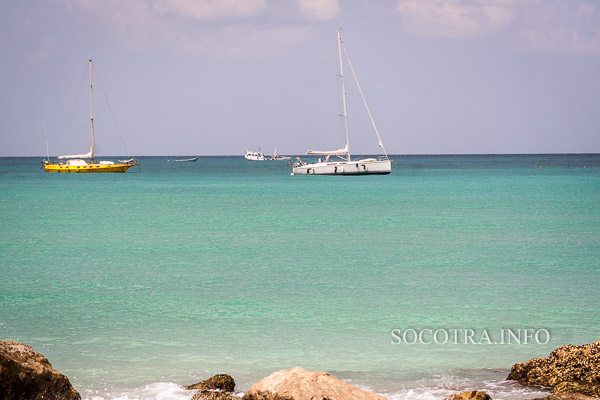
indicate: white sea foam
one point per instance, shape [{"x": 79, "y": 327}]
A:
[
  {"x": 437, "y": 388},
  {"x": 433, "y": 388},
  {"x": 152, "y": 391}
]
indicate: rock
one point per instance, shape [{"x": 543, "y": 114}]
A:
[
  {"x": 566, "y": 396},
  {"x": 577, "y": 387},
  {"x": 298, "y": 384},
  {"x": 214, "y": 388},
  {"x": 206, "y": 395},
  {"x": 222, "y": 382},
  {"x": 568, "y": 369},
  {"x": 25, "y": 374},
  {"x": 472, "y": 395}
]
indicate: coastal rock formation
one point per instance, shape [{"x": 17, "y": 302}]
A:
[
  {"x": 299, "y": 384},
  {"x": 568, "y": 369},
  {"x": 566, "y": 396},
  {"x": 471, "y": 395},
  {"x": 217, "y": 387},
  {"x": 25, "y": 374},
  {"x": 222, "y": 382},
  {"x": 206, "y": 395},
  {"x": 577, "y": 387}
]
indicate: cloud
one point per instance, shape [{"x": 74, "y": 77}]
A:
[
  {"x": 563, "y": 28},
  {"x": 455, "y": 18},
  {"x": 209, "y": 9},
  {"x": 131, "y": 15},
  {"x": 215, "y": 28},
  {"x": 563, "y": 40},
  {"x": 243, "y": 41},
  {"x": 142, "y": 12},
  {"x": 319, "y": 10},
  {"x": 549, "y": 25},
  {"x": 45, "y": 49}
]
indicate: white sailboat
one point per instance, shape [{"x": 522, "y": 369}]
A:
[
  {"x": 344, "y": 165},
  {"x": 277, "y": 157}
]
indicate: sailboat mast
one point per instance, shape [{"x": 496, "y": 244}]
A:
[
  {"x": 46, "y": 137},
  {"x": 344, "y": 110},
  {"x": 91, "y": 112}
]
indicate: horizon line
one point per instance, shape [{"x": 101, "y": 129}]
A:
[{"x": 299, "y": 155}]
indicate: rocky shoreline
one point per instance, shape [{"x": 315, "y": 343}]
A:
[
  {"x": 572, "y": 372},
  {"x": 26, "y": 374},
  {"x": 567, "y": 370}
]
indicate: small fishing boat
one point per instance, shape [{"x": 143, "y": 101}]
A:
[{"x": 193, "y": 159}]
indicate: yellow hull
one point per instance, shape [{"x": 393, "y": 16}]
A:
[{"x": 87, "y": 168}]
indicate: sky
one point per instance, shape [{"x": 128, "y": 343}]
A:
[{"x": 215, "y": 77}]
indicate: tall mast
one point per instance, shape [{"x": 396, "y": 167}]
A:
[
  {"x": 91, "y": 112},
  {"x": 344, "y": 111},
  {"x": 46, "y": 137}
]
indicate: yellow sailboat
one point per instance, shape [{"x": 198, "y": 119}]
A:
[{"x": 77, "y": 163}]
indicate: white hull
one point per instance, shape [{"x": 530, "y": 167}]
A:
[
  {"x": 254, "y": 155},
  {"x": 187, "y": 160},
  {"x": 360, "y": 167},
  {"x": 258, "y": 156}
]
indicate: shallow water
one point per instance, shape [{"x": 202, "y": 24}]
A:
[{"x": 133, "y": 284}]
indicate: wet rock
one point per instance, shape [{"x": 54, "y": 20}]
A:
[
  {"x": 471, "y": 395},
  {"x": 217, "y": 387},
  {"x": 577, "y": 387},
  {"x": 26, "y": 374},
  {"x": 566, "y": 396},
  {"x": 568, "y": 369},
  {"x": 299, "y": 384},
  {"x": 206, "y": 395},
  {"x": 221, "y": 382}
]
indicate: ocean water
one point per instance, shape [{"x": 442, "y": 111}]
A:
[{"x": 136, "y": 284}]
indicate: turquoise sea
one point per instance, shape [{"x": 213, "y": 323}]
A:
[{"x": 135, "y": 284}]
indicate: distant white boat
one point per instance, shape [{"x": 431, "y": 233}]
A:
[
  {"x": 345, "y": 165},
  {"x": 276, "y": 157},
  {"x": 193, "y": 159},
  {"x": 254, "y": 155},
  {"x": 258, "y": 156}
]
